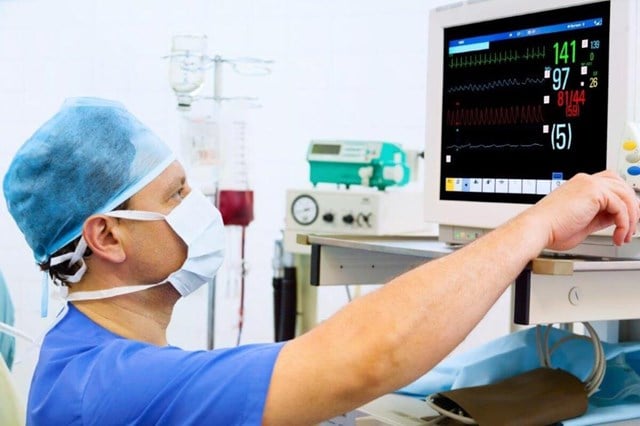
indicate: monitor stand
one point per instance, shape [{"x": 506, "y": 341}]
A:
[{"x": 599, "y": 245}]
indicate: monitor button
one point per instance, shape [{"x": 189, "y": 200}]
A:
[
  {"x": 634, "y": 157},
  {"x": 634, "y": 170}
]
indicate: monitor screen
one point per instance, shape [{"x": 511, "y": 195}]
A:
[
  {"x": 521, "y": 96},
  {"x": 524, "y": 103}
]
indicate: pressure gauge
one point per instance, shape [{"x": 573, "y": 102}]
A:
[{"x": 304, "y": 209}]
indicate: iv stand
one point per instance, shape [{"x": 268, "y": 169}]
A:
[{"x": 260, "y": 67}]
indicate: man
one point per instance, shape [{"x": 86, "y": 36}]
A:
[{"x": 109, "y": 213}]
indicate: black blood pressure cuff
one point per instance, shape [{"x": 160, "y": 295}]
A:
[{"x": 543, "y": 396}]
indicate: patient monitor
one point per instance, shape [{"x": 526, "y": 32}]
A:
[{"x": 521, "y": 96}]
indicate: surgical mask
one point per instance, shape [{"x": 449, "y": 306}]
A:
[{"x": 199, "y": 224}]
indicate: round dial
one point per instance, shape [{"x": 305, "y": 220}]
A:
[{"x": 304, "y": 209}]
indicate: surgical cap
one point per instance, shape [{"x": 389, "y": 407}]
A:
[{"x": 88, "y": 158}]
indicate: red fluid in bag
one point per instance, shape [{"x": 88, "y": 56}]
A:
[{"x": 236, "y": 206}]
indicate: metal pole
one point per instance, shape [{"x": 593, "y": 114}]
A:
[{"x": 211, "y": 314}]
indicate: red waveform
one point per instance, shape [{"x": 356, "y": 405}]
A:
[{"x": 491, "y": 116}]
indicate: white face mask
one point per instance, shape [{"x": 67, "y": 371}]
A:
[{"x": 199, "y": 224}]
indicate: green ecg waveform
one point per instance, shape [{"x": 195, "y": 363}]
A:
[{"x": 496, "y": 57}]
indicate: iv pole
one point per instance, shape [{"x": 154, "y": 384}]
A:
[{"x": 236, "y": 206}]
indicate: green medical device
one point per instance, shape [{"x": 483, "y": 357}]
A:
[{"x": 366, "y": 163}]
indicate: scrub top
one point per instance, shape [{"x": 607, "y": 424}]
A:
[{"x": 87, "y": 375}]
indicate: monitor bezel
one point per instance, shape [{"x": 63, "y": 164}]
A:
[{"x": 622, "y": 97}]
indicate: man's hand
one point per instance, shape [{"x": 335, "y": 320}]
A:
[{"x": 586, "y": 204}]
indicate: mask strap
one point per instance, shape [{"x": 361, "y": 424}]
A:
[
  {"x": 78, "y": 253},
  {"x": 76, "y": 257},
  {"x": 73, "y": 258},
  {"x": 135, "y": 215},
  {"x": 103, "y": 294}
]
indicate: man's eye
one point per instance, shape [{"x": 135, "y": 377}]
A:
[{"x": 179, "y": 194}]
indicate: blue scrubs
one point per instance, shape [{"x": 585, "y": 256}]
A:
[{"x": 87, "y": 375}]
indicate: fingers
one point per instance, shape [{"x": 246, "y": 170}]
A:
[
  {"x": 622, "y": 232},
  {"x": 622, "y": 205},
  {"x": 632, "y": 208},
  {"x": 590, "y": 203}
]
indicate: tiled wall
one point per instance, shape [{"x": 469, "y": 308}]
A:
[{"x": 342, "y": 69}]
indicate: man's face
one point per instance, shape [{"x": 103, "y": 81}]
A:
[{"x": 154, "y": 250}]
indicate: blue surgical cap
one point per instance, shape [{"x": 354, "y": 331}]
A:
[{"x": 88, "y": 158}]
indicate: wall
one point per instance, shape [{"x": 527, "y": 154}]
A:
[{"x": 343, "y": 69}]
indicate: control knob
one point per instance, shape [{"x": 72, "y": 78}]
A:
[{"x": 348, "y": 219}]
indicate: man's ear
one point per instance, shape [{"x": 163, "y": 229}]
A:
[{"x": 102, "y": 236}]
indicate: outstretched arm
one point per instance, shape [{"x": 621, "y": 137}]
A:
[{"x": 388, "y": 338}]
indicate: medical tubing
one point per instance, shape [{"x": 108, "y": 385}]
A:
[
  {"x": 243, "y": 273},
  {"x": 445, "y": 413},
  {"x": 600, "y": 367},
  {"x": 12, "y": 331},
  {"x": 33, "y": 343},
  {"x": 593, "y": 381}
]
